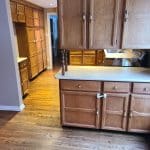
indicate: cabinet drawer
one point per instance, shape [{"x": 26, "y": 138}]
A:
[
  {"x": 75, "y": 59},
  {"x": 89, "y": 60},
  {"x": 141, "y": 88},
  {"x": 116, "y": 87},
  {"x": 80, "y": 85}
]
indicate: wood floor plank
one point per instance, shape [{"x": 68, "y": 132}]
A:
[{"x": 37, "y": 127}]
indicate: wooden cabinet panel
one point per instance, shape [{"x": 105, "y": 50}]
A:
[
  {"x": 30, "y": 34},
  {"x": 36, "y": 17},
  {"x": 41, "y": 17},
  {"x": 29, "y": 16},
  {"x": 80, "y": 85},
  {"x": 13, "y": 6},
  {"x": 89, "y": 60},
  {"x": 115, "y": 109},
  {"x": 32, "y": 49},
  {"x": 40, "y": 61},
  {"x": 33, "y": 60},
  {"x": 79, "y": 109},
  {"x": 72, "y": 19},
  {"x": 23, "y": 69},
  {"x": 44, "y": 60},
  {"x": 76, "y": 59},
  {"x": 116, "y": 87},
  {"x": 139, "y": 117},
  {"x": 105, "y": 23},
  {"x": 21, "y": 13},
  {"x": 137, "y": 24},
  {"x": 141, "y": 88},
  {"x": 34, "y": 70}
]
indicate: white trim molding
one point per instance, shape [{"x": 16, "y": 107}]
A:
[{"x": 12, "y": 108}]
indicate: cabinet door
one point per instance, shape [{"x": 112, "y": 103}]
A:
[
  {"x": 137, "y": 24},
  {"x": 139, "y": 117},
  {"x": 114, "y": 114},
  {"x": 21, "y": 13},
  {"x": 13, "y": 6},
  {"x": 29, "y": 16},
  {"x": 79, "y": 109},
  {"x": 36, "y": 17},
  {"x": 105, "y": 23},
  {"x": 72, "y": 24}
]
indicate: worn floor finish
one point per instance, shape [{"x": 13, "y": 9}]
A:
[{"x": 37, "y": 127}]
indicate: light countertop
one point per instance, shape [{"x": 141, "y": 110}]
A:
[
  {"x": 20, "y": 59},
  {"x": 105, "y": 73}
]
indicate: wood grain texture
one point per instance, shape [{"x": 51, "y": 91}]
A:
[{"x": 37, "y": 127}]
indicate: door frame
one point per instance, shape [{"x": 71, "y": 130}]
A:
[{"x": 49, "y": 41}]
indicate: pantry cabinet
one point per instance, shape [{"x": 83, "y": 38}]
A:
[
  {"x": 99, "y": 24},
  {"x": 119, "y": 106}
]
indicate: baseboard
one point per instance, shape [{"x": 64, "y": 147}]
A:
[
  {"x": 12, "y": 108},
  {"x": 49, "y": 68}
]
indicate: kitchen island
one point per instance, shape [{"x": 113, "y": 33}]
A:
[{"x": 112, "y": 98}]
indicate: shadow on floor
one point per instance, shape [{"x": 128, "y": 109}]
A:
[{"x": 5, "y": 117}]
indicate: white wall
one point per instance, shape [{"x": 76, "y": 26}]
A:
[{"x": 10, "y": 91}]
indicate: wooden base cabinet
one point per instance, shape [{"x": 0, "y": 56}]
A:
[
  {"x": 105, "y": 105},
  {"x": 79, "y": 109},
  {"x": 139, "y": 114},
  {"x": 23, "y": 69},
  {"x": 115, "y": 109}
]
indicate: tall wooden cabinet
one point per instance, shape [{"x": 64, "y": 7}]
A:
[
  {"x": 99, "y": 24},
  {"x": 31, "y": 37}
]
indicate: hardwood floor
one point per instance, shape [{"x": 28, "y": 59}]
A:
[{"x": 37, "y": 127}]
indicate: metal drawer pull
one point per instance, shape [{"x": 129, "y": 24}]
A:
[
  {"x": 101, "y": 96},
  {"x": 146, "y": 89},
  {"x": 115, "y": 88},
  {"x": 78, "y": 86}
]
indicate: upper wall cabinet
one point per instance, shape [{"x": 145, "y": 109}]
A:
[
  {"x": 17, "y": 12},
  {"x": 137, "y": 24},
  {"x": 99, "y": 24},
  {"x": 105, "y": 23},
  {"x": 72, "y": 23},
  {"x": 90, "y": 24}
]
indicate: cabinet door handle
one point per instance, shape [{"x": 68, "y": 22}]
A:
[
  {"x": 115, "y": 88},
  {"x": 84, "y": 17},
  {"x": 101, "y": 96},
  {"x": 91, "y": 18},
  {"x": 131, "y": 114},
  {"x": 126, "y": 16},
  {"x": 146, "y": 89}
]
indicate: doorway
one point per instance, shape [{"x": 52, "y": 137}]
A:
[{"x": 54, "y": 39}]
